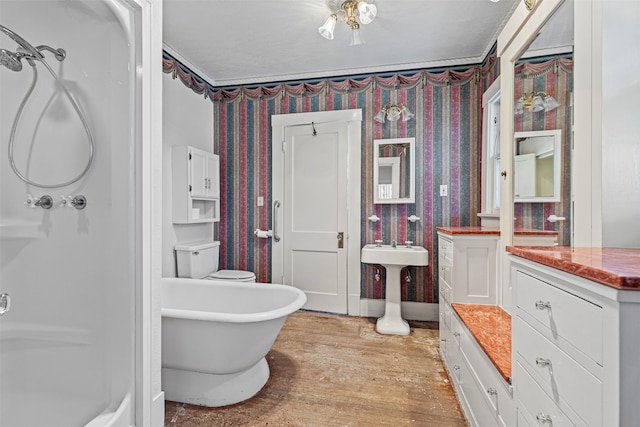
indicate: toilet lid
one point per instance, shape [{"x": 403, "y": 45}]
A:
[{"x": 233, "y": 275}]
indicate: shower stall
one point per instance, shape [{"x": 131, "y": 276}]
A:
[{"x": 72, "y": 203}]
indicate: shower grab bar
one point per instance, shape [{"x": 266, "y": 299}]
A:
[{"x": 274, "y": 214}]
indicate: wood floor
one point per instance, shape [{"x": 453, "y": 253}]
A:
[{"x": 329, "y": 370}]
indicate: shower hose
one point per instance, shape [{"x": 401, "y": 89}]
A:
[{"x": 17, "y": 120}]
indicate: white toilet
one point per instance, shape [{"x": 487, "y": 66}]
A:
[{"x": 199, "y": 260}]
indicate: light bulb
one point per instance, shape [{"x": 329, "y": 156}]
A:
[
  {"x": 550, "y": 103},
  {"x": 519, "y": 107},
  {"x": 380, "y": 117},
  {"x": 326, "y": 30},
  {"x": 356, "y": 38},
  {"x": 406, "y": 114},
  {"x": 537, "y": 104},
  {"x": 367, "y": 12},
  {"x": 394, "y": 113}
]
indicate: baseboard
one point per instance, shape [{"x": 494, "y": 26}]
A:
[
  {"x": 353, "y": 305},
  {"x": 410, "y": 310}
]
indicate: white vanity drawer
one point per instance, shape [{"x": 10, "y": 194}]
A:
[
  {"x": 496, "y": 390},
  {"x": 444, "y": 283},
  {"x": 496, "y": 394},
  {"x": 453, "y": 357},
  {"x": 445, "y": 315},
  {"x": 557, "y": 374},
  {"x": 480, "y": 413},
  {"x": 445, "y": 249},
  {"x": 522, "y": 420},
  {"x": 561, "y": 314},
  {"x": 535, "y": 405}
]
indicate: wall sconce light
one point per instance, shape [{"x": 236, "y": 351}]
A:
[
  {"x": 536, "y": 102},
  {"x": 393, "y": 112},
  {"x": 353, "y": 12}
]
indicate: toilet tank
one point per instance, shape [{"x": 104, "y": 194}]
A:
[{"x": 197, "y": 260}]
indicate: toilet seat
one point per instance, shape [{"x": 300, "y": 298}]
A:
[{"x": 234, "y": 275}]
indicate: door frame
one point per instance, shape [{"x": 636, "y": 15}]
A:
[{"x": 353, "y": 120}]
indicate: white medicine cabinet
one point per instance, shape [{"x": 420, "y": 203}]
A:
[
  {"x": 394, "y": 164},
  {"x": 196, "y": 185}
]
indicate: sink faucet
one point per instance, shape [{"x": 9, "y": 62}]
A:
[{"x": 393, "y": 244}]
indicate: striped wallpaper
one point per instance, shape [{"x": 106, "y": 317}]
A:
[
  {"x": 447, "y": 129},
  {"x": 447, "y": 132}
]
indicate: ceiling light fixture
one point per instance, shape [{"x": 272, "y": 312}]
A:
[
  {"x": 393, "y": 112},
  {"x": 536, "y": 102},
  {"x": 353, "y": 12}
]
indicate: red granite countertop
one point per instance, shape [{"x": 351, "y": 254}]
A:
[
  {"x": 490, "y": 325},
  {"x": 496, "y": 231},
  {"x": 615, "y": 267},
  {"x": 468, "y": 230}
]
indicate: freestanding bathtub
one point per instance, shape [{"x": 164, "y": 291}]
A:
[{"x": 215, "y": 336}]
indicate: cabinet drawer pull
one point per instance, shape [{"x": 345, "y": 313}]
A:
[
  {"x": 456, "y": 334},
  {"x": 543, "y": 418},
  {"x": 492, "y": 391},
  {"x": 543, "y": 363},
  {"x": 456, "y": 367},
  {"x": 542, "y": 305}
]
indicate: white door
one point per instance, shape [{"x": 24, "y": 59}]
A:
[
  {"x": 198, "y": 172},
  {"x": 315, "y": 195},
  {"x": 213, "y": 175},
  {"x": 315, "y": 214},
  {"x": 524, "y": 175}
]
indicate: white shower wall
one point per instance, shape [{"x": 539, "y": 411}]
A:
[{"x": 67, "y": 343}]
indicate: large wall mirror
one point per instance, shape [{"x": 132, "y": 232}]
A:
[
  {"x": 394, "y": 171},
  {"x": 537, "y": 165},
  {"x": 521, "y": 30}
]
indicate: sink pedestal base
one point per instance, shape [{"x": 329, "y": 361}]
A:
[{"x": 392, "y": 322}]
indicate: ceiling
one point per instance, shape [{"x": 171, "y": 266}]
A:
[{"x": 234, "y": 42}]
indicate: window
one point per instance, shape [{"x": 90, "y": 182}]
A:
[{"x": 491, "y": 150}]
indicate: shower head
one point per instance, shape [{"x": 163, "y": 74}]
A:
[
  {"x": 10, "y": 60},
  {"x": 28, "y": 48}
]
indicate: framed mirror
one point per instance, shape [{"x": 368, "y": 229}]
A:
[
  {"x": 537, "y": 165},
  {"x": 394, "y": 170}
]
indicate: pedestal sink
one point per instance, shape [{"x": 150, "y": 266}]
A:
[{"x": 393, "y": 259}]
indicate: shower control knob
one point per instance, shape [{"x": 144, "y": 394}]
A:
[
  {"x": 79, "y": 202},
  {"x": 45, "y": 202}
]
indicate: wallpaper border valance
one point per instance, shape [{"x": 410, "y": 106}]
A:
[{"x": 357, "y": 85}]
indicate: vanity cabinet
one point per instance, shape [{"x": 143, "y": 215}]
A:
[
  {"x": 575, "y": 349},
  {"x": 467, "y": 274},
  {"x": 467, "y": 268},
  {"x": 196, "y": 185}
]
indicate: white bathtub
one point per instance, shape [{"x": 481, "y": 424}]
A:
[{"x": 215, "y": 336}]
